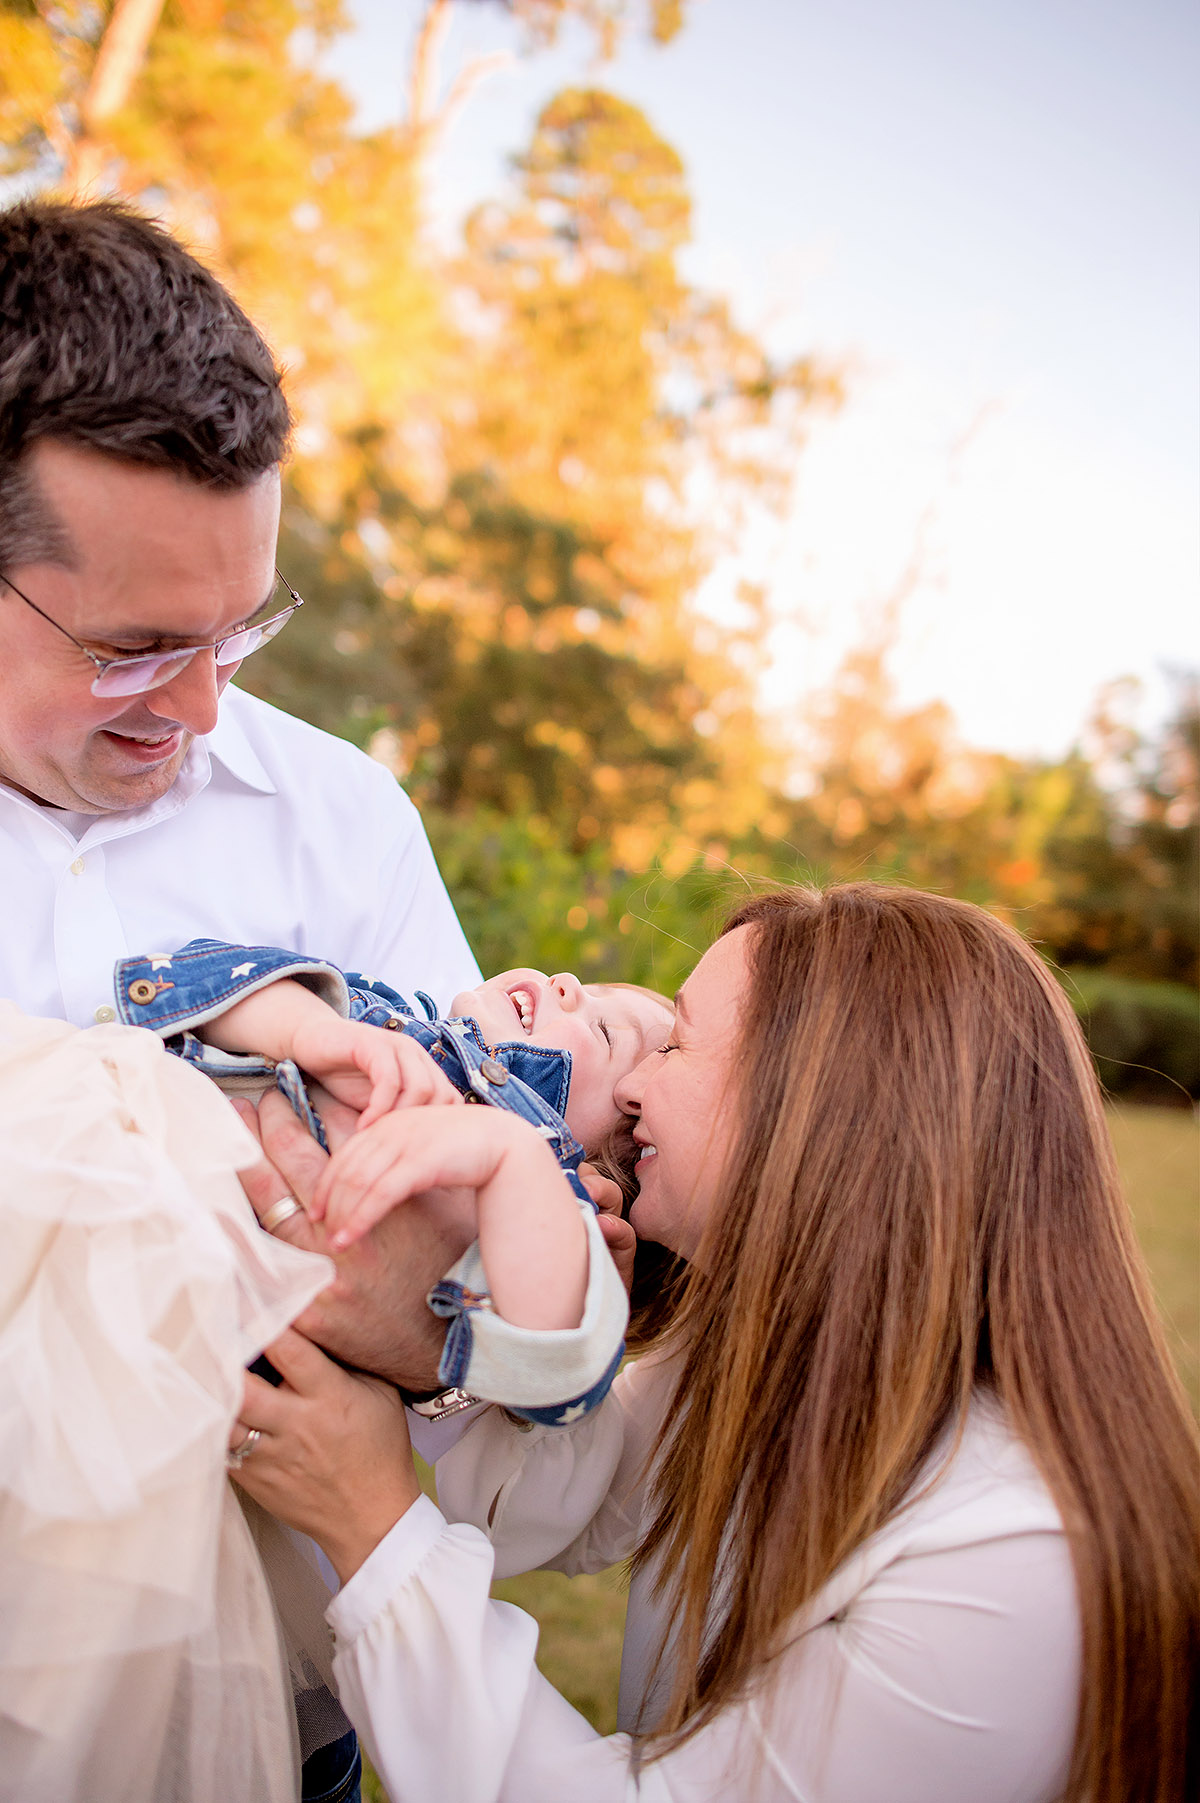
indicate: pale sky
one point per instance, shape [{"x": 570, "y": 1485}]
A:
[{"x": 987, "y": 209}]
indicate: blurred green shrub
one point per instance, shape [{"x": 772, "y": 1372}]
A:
[
  {"x": 524, "y": 897},
  {"x": 1145, "y": 1037}
]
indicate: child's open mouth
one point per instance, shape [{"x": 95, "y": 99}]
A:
[{"x": 523, "y": 1001}]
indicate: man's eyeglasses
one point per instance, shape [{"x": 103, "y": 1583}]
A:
[{"x": 150, "y": 670}]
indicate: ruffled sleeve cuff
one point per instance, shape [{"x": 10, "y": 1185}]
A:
[{"x": 386, "y": 1570}]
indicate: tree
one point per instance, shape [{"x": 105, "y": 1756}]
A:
[{"x": 517, "y": 616}]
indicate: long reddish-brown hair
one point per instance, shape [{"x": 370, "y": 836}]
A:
[{"x": 922, "y": 1200}]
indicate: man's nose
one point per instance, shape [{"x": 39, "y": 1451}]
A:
[
  {"x": 192, "y": 699},
  {"x": 570, "y": 990}
]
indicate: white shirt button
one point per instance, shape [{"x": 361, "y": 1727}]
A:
[
  {"x": 105, "y": 1014},
  {"x": 77, "y": 867}
]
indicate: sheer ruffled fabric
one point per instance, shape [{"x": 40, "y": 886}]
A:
[{"x": 142, "y": 1657}]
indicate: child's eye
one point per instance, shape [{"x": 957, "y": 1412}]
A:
[
  {"x": 669, "y": 1047},
  {"x": 603, "y": 1026}
]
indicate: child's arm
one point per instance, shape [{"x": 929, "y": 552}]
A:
[
  {"x": 532, "y": 1238},
  {"x": 367, "y": 1067}
]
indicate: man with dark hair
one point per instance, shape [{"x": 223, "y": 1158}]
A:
[
  {"x": 142, "y": 801},
  {"x": 142, "y": 424}
]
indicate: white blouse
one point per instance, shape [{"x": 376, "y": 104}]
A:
[{"x": 940, "y": 1664}]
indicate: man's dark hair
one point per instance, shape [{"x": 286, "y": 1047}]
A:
[{"x": 114, "y": 338}]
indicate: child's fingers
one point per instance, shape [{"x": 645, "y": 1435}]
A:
[
  {"x": 363, "y": 1162},
  {"x": 424, "y": 1082},
  {"x": 386, "y": 1089},
  {"x": 405, "y": 1154},
  {"x": 355, "y": 1208},
  {"x": 403, "y": 1075}
]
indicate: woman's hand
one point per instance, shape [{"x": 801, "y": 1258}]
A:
[{"x": 334, "y": 1458}]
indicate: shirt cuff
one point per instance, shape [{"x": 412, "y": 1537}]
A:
[
  {"x": 384, "y": 1570},
  {"x": 525, "y": 1367}
]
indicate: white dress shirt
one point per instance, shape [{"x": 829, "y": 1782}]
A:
[
  {"x": 272, "y": 834},
  {"x": 940, "y": 1664}
]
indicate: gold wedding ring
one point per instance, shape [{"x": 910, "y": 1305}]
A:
[{"x": 279, "y": 1212}]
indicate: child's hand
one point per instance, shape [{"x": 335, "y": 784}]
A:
[
  {"x": 371, "y": 1068},
  {"x": 403, "y": 1155},
  {"x": 531, "y": 1233}
]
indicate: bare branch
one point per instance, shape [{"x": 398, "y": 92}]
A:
[{"x": 423, "y": 72}]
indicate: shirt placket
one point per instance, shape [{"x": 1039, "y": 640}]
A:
[{"x": 89, "y": 935}]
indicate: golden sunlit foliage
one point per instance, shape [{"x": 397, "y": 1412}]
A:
[{"x": 514, "y": 464}]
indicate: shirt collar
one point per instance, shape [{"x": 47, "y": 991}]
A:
[{"x": 228, "y": 745}]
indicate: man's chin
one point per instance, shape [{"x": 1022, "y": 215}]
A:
[{"x": 115, "y": 782}]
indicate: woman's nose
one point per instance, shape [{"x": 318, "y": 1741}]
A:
[
  {"x": 627, "y": 1091},
  {"x": 570, "y": 990}
]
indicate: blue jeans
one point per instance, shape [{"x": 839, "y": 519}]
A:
[{"x": 333, "y": 1773}]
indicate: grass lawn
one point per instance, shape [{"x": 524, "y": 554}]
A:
[
  {"x": 1159, "y": 1151},
  {"x": 1159, "y": 1154}
]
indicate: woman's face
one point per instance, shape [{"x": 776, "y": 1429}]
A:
[{"x": 683, "y": 1098}]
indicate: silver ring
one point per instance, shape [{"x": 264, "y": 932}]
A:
[
  {"x": 237, "y": 1458},
  {"x": 279, "y": 1212}
]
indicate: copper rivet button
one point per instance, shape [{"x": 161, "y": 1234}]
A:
[
  {"x": 103, "y": 1015},
  {"x": 77, "y": 867},
  {"x": 494, "y": 1071},
  {"x": 142, "y": 991}
]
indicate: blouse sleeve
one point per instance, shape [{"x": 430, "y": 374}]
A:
[
  {"x": 571, "y": 1498},
  {"x": 951, "y": 1674}
]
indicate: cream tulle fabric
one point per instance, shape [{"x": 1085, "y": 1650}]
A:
[{"x": 142, "y": 1658}]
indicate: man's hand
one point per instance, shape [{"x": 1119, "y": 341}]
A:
[{"x": 373, "y": 1315}]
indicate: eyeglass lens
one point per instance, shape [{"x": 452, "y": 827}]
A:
[{"x": 136, "y": 675}]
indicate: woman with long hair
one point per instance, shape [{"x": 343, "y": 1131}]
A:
[{"x": 906, "y": 1480}]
